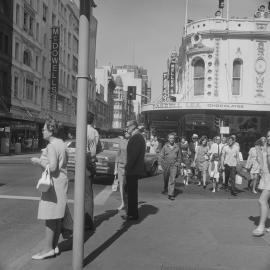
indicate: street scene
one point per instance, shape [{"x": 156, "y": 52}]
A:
[{"x": 134, "y": 134}]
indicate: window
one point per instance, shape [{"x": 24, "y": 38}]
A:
[
  {"x": 68, "y": 61},
  {"x": 68, "y": 81},
  {"x": 37, "y": 63},
  {"x": 16, "y": 80},
  {"x": 43, "y": 65},
  {"x": 73, "y": 84},
  {"x": 42, "y": 97},
  {"x": 17, "y": 51},
  {"x": 1, "y": 41},
  {"x": 199, "y": 71},
  {"x": 75, "y": 64},
  {"x": 75, "y": 45},
  {"x": 36, "y": 93},
  {"x": 18, "y": 14},
  {"x": 45, "y": 12},
  {"x": 37, "y": 31},
  {"x": 29, "y": 89},
  {"x": 53, "y": 20},
  {"x": 25, "y": 21},
  {"x": 236, "y": 80},
  {"x": 6, "y": 44},
  {"x": 69, "y": 40},
  {"x": 27, "y": 58},
  {"x": 45, "y": 40},
  {"x": 31, "y": 26}
]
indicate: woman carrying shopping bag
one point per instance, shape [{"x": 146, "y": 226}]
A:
[{"x": 52, "y": 205}]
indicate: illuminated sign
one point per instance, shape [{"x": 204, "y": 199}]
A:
[{"x": 55, "y": 60}]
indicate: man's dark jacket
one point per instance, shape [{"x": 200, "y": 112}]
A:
[{"x": 135, "y": 155}]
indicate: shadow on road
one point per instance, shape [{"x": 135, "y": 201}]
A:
[
  {"x": 144, "y": 211},
  {"x": 66, "y": 245},
  {"x": 256, "y": 221}
]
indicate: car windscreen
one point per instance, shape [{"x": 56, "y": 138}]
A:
[{"x": 112, "y": 146}]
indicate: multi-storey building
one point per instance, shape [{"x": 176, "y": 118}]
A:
[
  {"x": 6, "y": 29},
  {"x": 221, "y": 79},
  {"x": 31, "y": 91},
  {"x": 105, "y": 82},
  {"x": 137, "y": 77}
]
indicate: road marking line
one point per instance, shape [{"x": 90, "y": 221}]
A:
[
  {"x": 103, "y": 196},
  {"x": 99, "y": 199},
  {"x": 12, "y": 197}
]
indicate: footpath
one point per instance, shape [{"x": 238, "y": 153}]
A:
[{"x": 186, "y": 234}]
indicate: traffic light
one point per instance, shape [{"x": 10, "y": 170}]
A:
[
  {"x": 131, "y": 92},
  {"x": 221, "y": 4}
]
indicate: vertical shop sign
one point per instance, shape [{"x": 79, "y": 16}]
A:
[
  {"x": 260, "y": 68},
  {"x": 55, "y": 60},
  {"x": 172, "y": 78},
  {"x": 165, "y": 94}
]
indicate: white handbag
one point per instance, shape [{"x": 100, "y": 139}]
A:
[
  {"x": 238, "y": 179},
  {"x": 45, "y": 182}
]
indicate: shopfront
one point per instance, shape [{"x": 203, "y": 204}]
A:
[{"x": 19, "y": 136}]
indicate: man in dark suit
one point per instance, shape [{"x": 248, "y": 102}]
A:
[{"x": 134, "y": 168}]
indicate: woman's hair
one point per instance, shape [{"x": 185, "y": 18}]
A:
[
  {"x": 202, "y": 139},
  {"x": 259, "y": 142},
  {"x": 53, "y": 126}
]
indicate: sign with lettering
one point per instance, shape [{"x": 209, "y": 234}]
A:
[
  {"x": 55, "y": 60},
  {"x": 165, "y": 94},
  {"x": 172, "y": 78}
]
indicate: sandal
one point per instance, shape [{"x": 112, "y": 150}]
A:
[{"x": 258, "y": 232}]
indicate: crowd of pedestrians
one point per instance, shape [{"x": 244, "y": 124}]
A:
[
  {"x": 201, "y": 160},
  {"x": 216, "y": 160}
]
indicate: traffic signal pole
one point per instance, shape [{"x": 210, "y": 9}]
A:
[{"x": 81, "y": 124}]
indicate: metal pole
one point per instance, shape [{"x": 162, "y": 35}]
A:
[{"x": 81, "y": 124}]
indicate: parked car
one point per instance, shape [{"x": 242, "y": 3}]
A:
[{"x": 106, "y": 159}]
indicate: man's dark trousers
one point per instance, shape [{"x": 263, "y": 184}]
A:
[
  {"x": 132, "y": 191},
  {"x": 230, "y": 173}
]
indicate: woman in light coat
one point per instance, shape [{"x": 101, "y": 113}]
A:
[{"x": 52, "y": 203}]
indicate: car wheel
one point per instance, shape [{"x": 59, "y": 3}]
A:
[{"x": 154, "y": 169}]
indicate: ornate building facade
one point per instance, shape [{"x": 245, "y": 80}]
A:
[{"x": 221, "y": 79}]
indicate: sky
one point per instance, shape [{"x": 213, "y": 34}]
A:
[{"x": 145, "y": 32}]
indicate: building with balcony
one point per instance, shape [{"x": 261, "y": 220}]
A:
[
  {"x": 32, "y": 98},
  {"x": 221, "y": 76}
]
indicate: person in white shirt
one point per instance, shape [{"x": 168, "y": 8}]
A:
[{"x": 154, "y": 145}]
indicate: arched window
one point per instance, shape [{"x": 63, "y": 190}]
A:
[
  {"x": 236, "y": 79},
  {"x": 27, "y": 58},
  {"x": 198, "y": 77}
]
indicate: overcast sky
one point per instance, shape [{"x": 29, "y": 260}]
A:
[{"x": 144, "y": 32}]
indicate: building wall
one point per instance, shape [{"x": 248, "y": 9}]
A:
[
  {"x": 218, "y": 47},
  {"x": 6, "y": 29},
  {"x": 31, "y": 99}
]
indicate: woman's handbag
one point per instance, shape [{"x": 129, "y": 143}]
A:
[{"x": 45, "y": 182}]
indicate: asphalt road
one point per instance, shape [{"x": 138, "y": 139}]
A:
[{"x": 165, "y": 228}]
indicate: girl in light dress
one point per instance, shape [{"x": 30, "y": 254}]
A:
[
  {"x": 214, "y": 168},
  {"x": 264, "y": 161},
  {"x": 253, "y": 165},
  {"x": 201, "y": 160}
]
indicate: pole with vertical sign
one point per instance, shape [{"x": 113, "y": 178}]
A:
[{"x": 81, "y": 127}]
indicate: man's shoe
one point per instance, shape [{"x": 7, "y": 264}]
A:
[
  {"x": 258, "y": 232},
  {"x": 171, "y": 198},
  {"x": 127, "y": 218}
]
